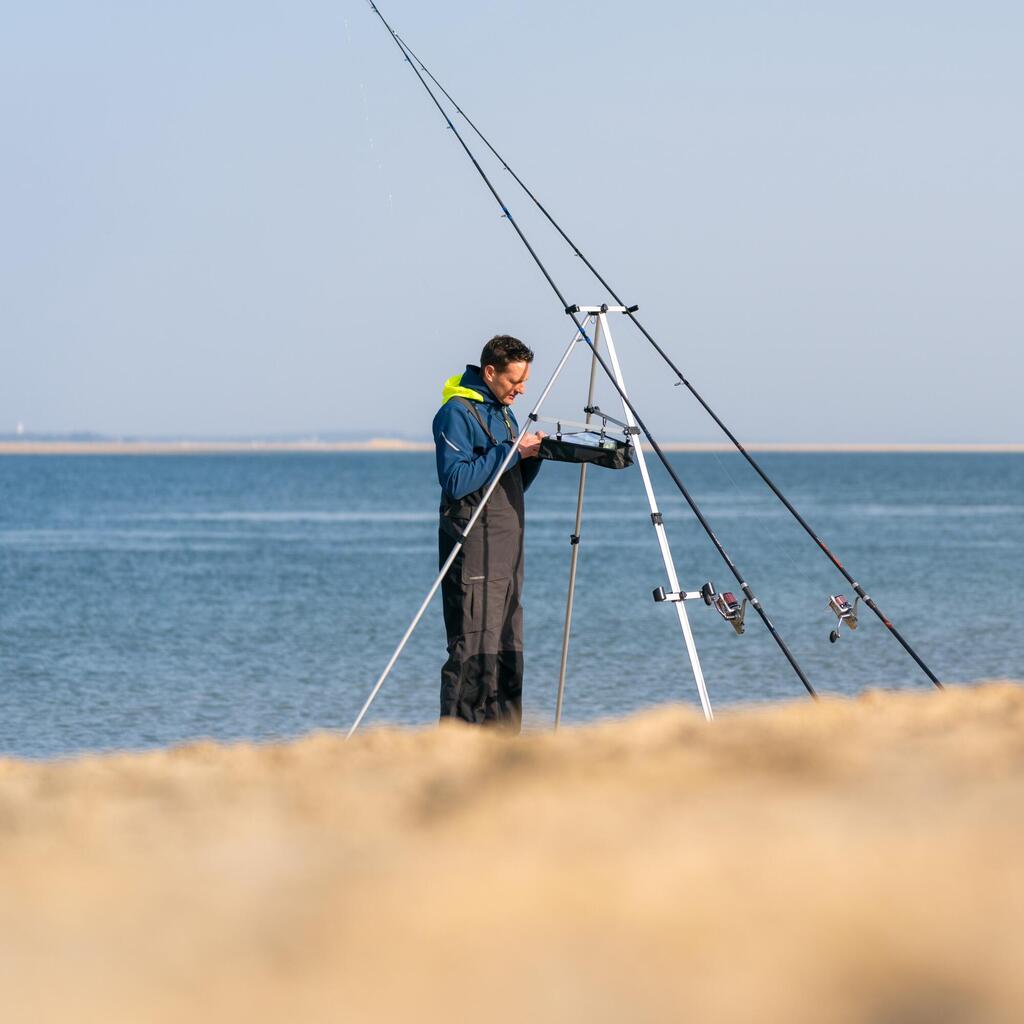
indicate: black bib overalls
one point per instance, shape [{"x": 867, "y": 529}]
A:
[{"x": 482, "y": 680}]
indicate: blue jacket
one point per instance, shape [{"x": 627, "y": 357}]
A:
[{"x": 466, "y": 458}]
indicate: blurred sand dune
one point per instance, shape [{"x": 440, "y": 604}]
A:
[{"x": 855, "y": 861}]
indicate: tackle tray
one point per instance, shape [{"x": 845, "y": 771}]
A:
[{"x": 589, "y": 447}]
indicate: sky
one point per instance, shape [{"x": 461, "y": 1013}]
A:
[{"x": 248, "y": 219}]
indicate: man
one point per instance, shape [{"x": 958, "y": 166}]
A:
[{"x": 474, "y": 430}]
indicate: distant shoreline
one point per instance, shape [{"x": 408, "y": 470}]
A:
[{"x": 394, "y": 445}]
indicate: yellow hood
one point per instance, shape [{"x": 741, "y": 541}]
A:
[{"x": 453, "y": 389}]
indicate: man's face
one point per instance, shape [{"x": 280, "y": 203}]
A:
[{"x": 508, "y": 384}]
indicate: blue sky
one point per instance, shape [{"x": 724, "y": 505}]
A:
[{"x": 248, "y": 218}]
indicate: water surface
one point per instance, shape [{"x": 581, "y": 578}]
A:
[{"x": 147, "y": 600}]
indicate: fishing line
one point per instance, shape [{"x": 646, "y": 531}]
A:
[
  {"x": 373, "y": 153},
  {"x": 572, "y": 311},
  {"x": 664, "y": 355}
]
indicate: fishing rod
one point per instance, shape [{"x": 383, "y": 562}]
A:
[
  {"x": 631, "y": 313},
  {"x": 572, "y": 311}
]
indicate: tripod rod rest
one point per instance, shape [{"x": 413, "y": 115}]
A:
[{"x": 660, "y": 594}]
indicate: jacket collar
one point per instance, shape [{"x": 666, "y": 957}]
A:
[{"x": 469, "y": 385}]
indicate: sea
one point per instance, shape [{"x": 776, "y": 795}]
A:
[{"x": 152, "y": 600}]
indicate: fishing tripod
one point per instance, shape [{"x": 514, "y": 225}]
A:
[{"x": 596, "y": 317}]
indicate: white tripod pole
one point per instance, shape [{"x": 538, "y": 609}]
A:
[
  {"x": 574, "y": 557},
  {"x": 666, "y": 554},
  {"x": 531, "y": 420}
]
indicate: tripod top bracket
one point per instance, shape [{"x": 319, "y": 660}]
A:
[{"x": 591, "y": 310}]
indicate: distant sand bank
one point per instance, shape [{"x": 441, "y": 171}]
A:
[
  {"x": 205, "y": 447},
  {"x": 394, "y": 445},
  {"x": 856, "y": 861}
]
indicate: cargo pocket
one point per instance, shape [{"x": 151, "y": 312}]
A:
[
  {"x": 483, "y": 605},
  {"x": 484, "y": 557},
  {"x": 490, "y": 553}
]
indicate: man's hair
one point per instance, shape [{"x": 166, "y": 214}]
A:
[{"x": 503, "y": 349}]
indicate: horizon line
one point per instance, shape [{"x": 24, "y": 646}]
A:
[{"x": 384, "y": 444}]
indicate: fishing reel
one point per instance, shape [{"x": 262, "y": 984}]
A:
[
  {"x": 725, "y": 603},
  {"x": 843, "y": 612}
]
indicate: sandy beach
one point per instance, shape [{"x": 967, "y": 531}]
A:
[{"x": 853, "y": 861}]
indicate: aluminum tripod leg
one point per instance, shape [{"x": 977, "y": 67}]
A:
[
  {"x": 666, "y": 553},
  {"x": 574, "y": 558},
  {"x": 531, "y": 418}
]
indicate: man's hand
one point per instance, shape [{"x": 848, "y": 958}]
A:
[{"x": 529, "y": 444}]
